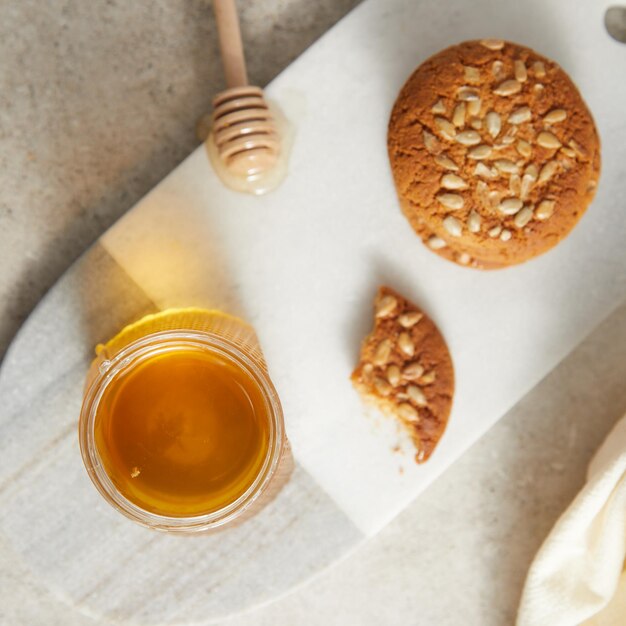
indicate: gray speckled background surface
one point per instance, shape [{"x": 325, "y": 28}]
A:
[{"x": 98, "y": 102}]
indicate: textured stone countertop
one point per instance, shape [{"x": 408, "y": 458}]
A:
[{"x": 97, "y": 103}]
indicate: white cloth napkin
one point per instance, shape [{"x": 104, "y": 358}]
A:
[{"x": 577, "y": 576}]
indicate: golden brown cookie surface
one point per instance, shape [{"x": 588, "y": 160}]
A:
[
  {"x": 494, "y": 153},
  {"x": 406, "y": 370}
]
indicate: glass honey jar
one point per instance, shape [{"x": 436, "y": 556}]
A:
[{"x": 181, "y": 428}]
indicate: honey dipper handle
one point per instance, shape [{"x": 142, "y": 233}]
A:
[{"x": 230, "y": 43}]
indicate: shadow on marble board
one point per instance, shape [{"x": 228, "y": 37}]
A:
[
  {"x": 144, "y": 577},
  {"x": 561, "y": 423},
  {"x": 92, "y": 301},
  {"x": 107, "y": 299},
  {"x": 42, "y": 376}
]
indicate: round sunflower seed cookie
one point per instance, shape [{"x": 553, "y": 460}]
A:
[{"x": 494, "y": 153}]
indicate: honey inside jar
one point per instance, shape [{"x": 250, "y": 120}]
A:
[{"x": 183, "y": 432}]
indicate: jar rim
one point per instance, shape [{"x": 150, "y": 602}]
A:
[{"x": 133, "y": 354}]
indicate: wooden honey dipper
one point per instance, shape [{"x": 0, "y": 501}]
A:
[{"x": 243, "y": 127}]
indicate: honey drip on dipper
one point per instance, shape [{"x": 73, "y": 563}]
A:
[{"x": 246, "y": 138}]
